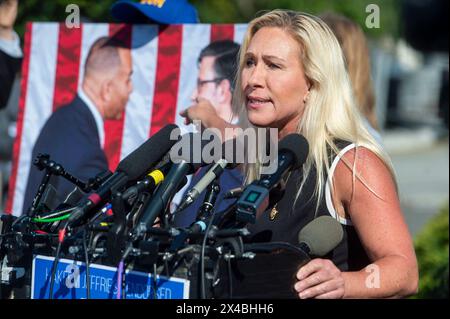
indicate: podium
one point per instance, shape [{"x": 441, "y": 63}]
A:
[
  {"x": 70, "y": 282},
  {"x": 268, "y": 275}
]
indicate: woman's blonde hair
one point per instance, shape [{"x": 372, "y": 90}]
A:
[
  {"x": 356, "y": 52},
  {"x": 330, "y": 113}
]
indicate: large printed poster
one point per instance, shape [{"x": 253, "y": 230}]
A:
[{"x": 164, "y": 60}]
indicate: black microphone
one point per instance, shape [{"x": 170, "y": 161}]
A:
[
  {"x": 183, "y": 164},
  {"x": 148, "y": 183},
  {"x": 292, "y": 153},
  {"x": 226, "y": 159},
  {"x": 320, "y": 236},
  {"x": 213, "y": 173},
  {"x": 132, "y": 167},
  {"x": 206, "y": 210}
]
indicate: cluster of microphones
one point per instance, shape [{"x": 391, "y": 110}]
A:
[{"x": 142, "y": 187}]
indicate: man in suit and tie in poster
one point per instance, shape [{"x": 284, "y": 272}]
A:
[
  {"x": 73, "y": 136},
  {"x": 212, "y": 106}
]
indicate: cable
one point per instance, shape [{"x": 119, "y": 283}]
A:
[
  {"x": 230, "y": 279},
  {"x": 124, "y": 282},
  {"x": 86, "y": 257},
  {"x": 20, "y": 219},
  {"x": 95, "y": 240},
  {"x": 120, "y": 271},
  {"x": 202, "y": 258},
  {"x": 56, "y": 213},
  {"x": 61, "y": 236},
  {"x": 155, "y": 282},
  {"x": 119, "y": 279},
  {"x": 50, "y": 220},
  {"x": 40, "y": 235}
]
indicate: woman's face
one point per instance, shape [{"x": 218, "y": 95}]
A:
[{"x": 273, "y": 80}]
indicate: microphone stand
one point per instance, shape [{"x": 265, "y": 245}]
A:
[
  {"x": 43, "y": 162},
  {"x": 206, "y": 211},
  {"x": 210, "y": 200},
  {"x": 203, "y": 215}
]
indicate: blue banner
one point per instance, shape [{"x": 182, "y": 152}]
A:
[{"x": 70, "y": 282}]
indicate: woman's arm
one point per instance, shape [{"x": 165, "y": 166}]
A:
[{"x": 379, "y": 222}]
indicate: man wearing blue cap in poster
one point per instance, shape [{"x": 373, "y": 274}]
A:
[{"x": 160, "y": 11}]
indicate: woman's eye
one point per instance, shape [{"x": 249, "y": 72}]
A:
[
  {"x": 249, "y": 62},
  {"x": 273, "y": 66}
]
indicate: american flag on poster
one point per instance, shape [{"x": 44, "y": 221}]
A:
[{"x": 164, "y": 76}]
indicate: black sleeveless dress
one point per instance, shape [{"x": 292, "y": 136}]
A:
[{"x": 272, "y": 275}]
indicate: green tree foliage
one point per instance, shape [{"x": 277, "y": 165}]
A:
[
  {"x": 220, "y": 11},
  {"x": 55, "y": 10},
  {"x": 242, "y": 11},
  {"x": 432, "y": 254}
]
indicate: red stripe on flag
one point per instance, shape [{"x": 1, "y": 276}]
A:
[
  {"x": 68, "y": 60},
  {"x": 222, "y": 32},
  {"x": 114, "y": 128},
  {"x": 20, "y": 118},
  {"x": 167, "y": 76}
]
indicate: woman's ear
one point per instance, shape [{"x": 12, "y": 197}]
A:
[
  {"x": 309, "y": 85},
  {"x": 305, "y": 97}
]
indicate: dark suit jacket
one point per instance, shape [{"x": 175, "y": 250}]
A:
[
  {"x": 9, "y": 67},
  {"x": 70, "y": 137}
]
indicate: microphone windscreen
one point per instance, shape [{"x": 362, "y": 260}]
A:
[
  {"x": 297, "y": 145},
  {"x": 146, "y": 156},
  {"x": 321, "y": 235}
]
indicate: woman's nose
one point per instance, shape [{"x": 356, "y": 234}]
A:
[{"x": 256, "y": 76}]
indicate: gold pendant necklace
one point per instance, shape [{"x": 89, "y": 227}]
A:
[{"x": 273, "y": 212}]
